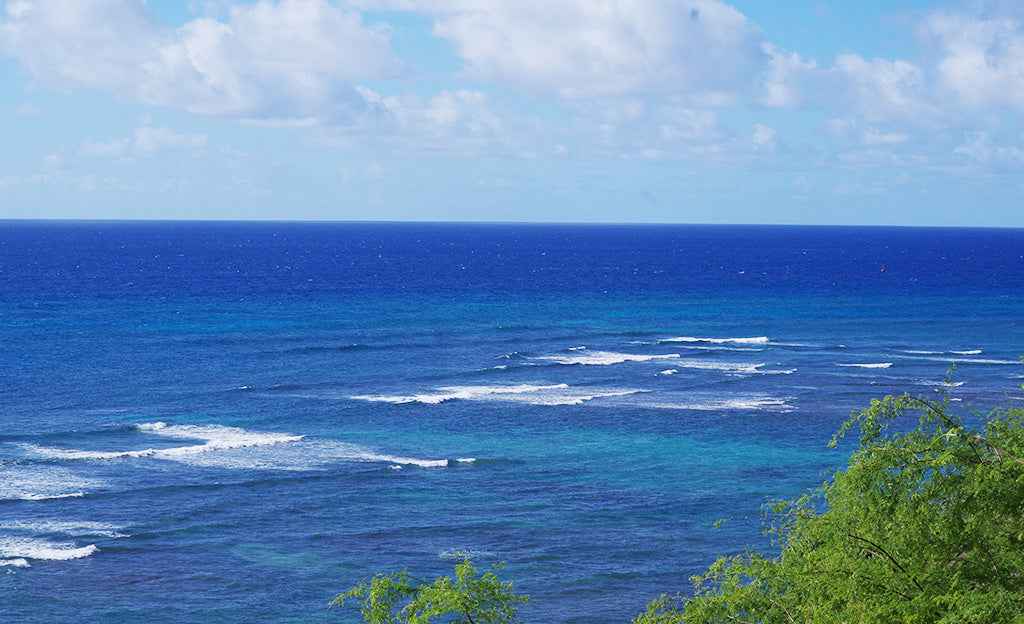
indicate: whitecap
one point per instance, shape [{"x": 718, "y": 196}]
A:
[
  {"x": 22, "y": 482},
  {"x": 952, "y": 352},
  {"x": 36, "y": 548},
  {"x": 451, "y": 393},
  {"x": 736, "y": 403},
  {"x": 940, "y": 384},
  {"x": 736, "y": 368},
  {"x": 65, "y": 527},
  {"x": 534, "y": 394},
  {"x": 215, "y": 437},
  {"x": 668, "y": 371},
  {"x": 235, "y": 448},
  {"x": 603, "y": 358},
  {"x": 756, "y": 340},
  {"x": 371, "y": 456},
  {"x": 870, "y": 365},
  {"x": 467, "y": 553}
]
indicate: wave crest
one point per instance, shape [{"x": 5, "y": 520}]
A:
[{"x": 553, "y": 394}]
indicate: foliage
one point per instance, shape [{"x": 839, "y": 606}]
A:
[
  {"x": 922, "y": 526},
  {"x": 470, "y": 599}
]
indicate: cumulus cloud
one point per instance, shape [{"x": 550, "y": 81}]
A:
[
  {"x": 582, "y": 48},
  {"x": 883, "y": 90},
  {"x": 786, "y": 78},
  {"x": 981, "y": 59},
  {"x": 278, "y": 59},
  {"x": 604, "y": 77}
]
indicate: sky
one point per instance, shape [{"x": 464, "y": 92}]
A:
[{"x": 634, "y": 111}]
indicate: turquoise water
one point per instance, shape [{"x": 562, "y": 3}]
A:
[{"x": 211, "y": 423}]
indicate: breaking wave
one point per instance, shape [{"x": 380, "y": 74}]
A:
[{"x": 553, "y": 394}]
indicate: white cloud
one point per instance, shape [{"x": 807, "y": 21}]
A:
[
  {"x": 144, "y": 141},
  {"x": 462, "y": 120},
  {"x": 979, "y": 148},
  {"x": 27, "y": 110},
  {"x": 689, "y": 126},
  {"x": 982, "y": 59},
  {"x": 881, "y": 90},
  {"x": 764, "y": 139},
  {"x": 668, "y": 132},
  {"x": 87, "y": 184},
  {"x": 148, "y": 139},
  {"x": 285, "y": 59},
  {"x": 53, "y": 160},
  {"x": 786, "y": 78},
  {"x": 579, "y": 48},
  {"x": 875, "y": 137}
]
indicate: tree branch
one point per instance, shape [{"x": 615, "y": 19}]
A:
[{"x": 889, "y": 557}]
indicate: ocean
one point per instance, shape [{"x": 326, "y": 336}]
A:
[{"x": 214, "y": 423}]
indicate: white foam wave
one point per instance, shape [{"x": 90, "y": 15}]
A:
[
  {"x": 101, "y": 529},
  {"x": 603, "y": 358},
  {"x": 757, "y": 340},
  {"x": 934, "y": 357},
  {"x": 401, "y": 461},
  {"x": 868, "y": 365},
  {"x": 735, "y": 368},
  {"x": 464, "y": 553},
  {"x": 224, "y": 447},
  {"x": 24, "y": 548},
  {"x": 968, "y": 352},
  {"x": 215, "y": 437},
  {"x": 554, "y": 394},
  {"x": 452, "y": 393},
  {"x": 17, "y": 563},
  {"x": 668, "y": 371},
  {"x": 940, "y": 384},
  {"x": 44, "y": 482},
  {"x": 748, "y": 403}
]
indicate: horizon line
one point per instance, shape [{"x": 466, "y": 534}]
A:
[{"x": 86, "y": 220}]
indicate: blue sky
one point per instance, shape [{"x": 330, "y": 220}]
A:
[{"x": 676, "y": 111}]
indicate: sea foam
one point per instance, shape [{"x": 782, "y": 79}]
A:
[
  {"x": 25, "y": 540},
  {"x": 15, "y": 549},
  {"x": 234, "y": 448},
  {"x": 27, "y": 482},
  {"x": 64, "y": 527},
  {"x": 735, "y": 403},
  {"x": 215, "y": 437},
  {"x": 603, "y": 358},
  {"x": 735, "y": 368},
  {"x": 534, "y": 394},
  {"x": 757, "y": 340}
]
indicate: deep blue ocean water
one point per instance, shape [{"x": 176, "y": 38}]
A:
[{"x": 232, "y": 422}]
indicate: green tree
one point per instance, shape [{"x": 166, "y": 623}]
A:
[
  {"x": 469, "y": 599},
  {"x": 922, "y": 526}
]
